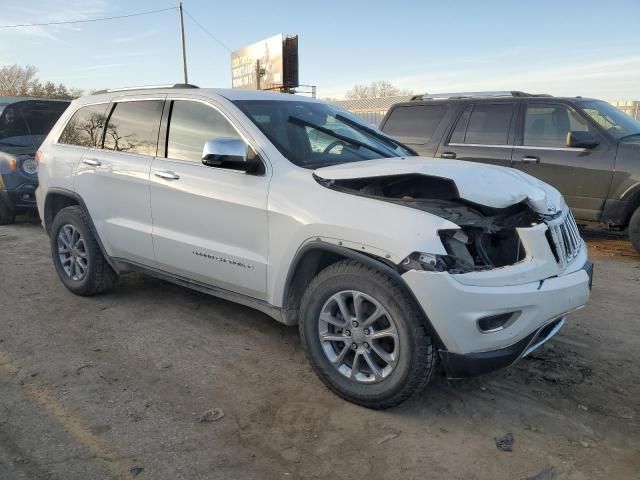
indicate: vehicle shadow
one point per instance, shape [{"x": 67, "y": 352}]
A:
[{"x": 601, "y": 243}]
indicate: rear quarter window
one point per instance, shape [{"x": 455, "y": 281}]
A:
[
  {"x": 414, "y": 124},
  {"x": 85, "y": 127}
]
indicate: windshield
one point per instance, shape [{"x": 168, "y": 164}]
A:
[
  {"x": 314, "y": 135},
  {"x": 614, "y": 121},
  {"x": 26, "y": 124}
]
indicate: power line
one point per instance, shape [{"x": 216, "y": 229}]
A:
[
  {"x": 207, "y": 31},
  {"x": 89, "y": 20}
]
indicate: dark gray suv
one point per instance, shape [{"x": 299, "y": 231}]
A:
[
  {"x": 24, "y": 124},
  {"x": 586, "y": 148}
]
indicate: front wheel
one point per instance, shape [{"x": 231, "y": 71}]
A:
[
  {"x": 364, "y": 336},
  {"x": 634, "y": 230}
]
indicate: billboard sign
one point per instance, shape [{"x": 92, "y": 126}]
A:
[
  {"x": 271, "y": 64},
  {"x": 258, "y": 66}
]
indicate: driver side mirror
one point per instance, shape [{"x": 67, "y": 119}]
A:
[
  {"x": 231, "y": 153},
  {"x": 578, "y": 139}
]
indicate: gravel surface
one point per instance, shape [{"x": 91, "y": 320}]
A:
[{"x": 154, "y": 381}]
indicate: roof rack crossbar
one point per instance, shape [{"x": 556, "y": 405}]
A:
[
  {"x": 146, "y": 87},
  {"x": 448, "y": 96}
]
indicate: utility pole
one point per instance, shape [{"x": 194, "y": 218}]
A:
[
  {"x": 258, "y": 74},
  {"x": 184, "y": 46}
]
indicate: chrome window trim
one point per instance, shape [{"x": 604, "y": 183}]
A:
[
  {"x": 527, "y": 147},
  {"x": 478, "y": 145},
  {"x": 557, "y": 149}
]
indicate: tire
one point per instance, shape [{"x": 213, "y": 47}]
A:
[
  {"x": 7, "y": 213},
  {"x": 96, "y": 276},
  {"x": 367, "y": 286},
  {"x": 634, "y": 230}
]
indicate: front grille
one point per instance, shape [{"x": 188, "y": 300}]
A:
[{"x": 564, "y": 238}]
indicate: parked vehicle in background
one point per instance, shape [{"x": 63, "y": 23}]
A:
[
  {"x": 24, "y": 124},
  {"x": 586, "y": 148},
  {"x": 385, "y": 260}
]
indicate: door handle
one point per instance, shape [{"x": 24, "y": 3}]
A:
[
  {"x": 167, "y": 175},
  {"x": 91, "y": 161},
  {"x": 448, "y": 155},
  {"x": 530, "y": 159}
]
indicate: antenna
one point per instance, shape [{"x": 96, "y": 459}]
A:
[{"x": 184, "y": 46}]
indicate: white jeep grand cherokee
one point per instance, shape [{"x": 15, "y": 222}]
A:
[{"x": 386, "y": 261}]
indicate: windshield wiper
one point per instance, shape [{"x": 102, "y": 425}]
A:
[
  {"x": 344, "y": 138},
  {"x": 380, "y": 136}
]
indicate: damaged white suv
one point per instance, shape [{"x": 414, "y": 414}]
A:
[{"x": 388, "y": 262}]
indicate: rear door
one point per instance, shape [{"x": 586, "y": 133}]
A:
[
  {"x": 114, "y": 180},
  {"x": 541, "y": 151},
  {"x": 209, "y": 223},
  {"x": 483, "y": 132}
]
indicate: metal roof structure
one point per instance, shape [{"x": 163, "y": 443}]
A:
[
  {"x": 371, "y": 104},
  {"x": 371, "y": 110}
]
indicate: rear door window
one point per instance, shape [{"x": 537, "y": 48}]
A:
[
  {"x": 484, "y": 124},
  {"x": 414, "y": 124},
  {"x": 133, "y": 127},
  {"x": 85, "y": 127}
]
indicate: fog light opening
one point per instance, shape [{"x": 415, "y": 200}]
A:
[{"x": 495, "y": 323}]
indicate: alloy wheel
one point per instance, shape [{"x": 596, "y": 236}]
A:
[
  {"x": 358, "y": 336},
  {"x": 72, "y": 252}
]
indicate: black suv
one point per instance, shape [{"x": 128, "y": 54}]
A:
[
  {"x": 586, "y": 148},
  {"x": 24, "y": 124}
]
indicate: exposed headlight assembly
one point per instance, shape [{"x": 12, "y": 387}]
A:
[
  {"x": 478, "y": 249},
  {"x": 470, "y": 249},
  {"x": 30, "y": 166}
]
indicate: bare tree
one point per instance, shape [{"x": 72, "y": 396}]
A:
[
  {"x": 377, "y": 89},
  {"x": 16, "y": 80},
  {"x": 50, "y": 90},
  {"x": 359, "y": 91}
]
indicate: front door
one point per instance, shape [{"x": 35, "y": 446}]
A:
[
  {"x": 541, "y": 151},
  {"x": 209, "y": 223},
  {"x": 482, "y": 133}
]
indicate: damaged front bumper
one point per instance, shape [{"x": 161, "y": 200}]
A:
[
  {"x": 458, "y": 365},
  {"x": 457, "y": 304}
]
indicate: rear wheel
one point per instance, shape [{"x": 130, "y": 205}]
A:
[
  {"x": 364, "y": 336},
  {"x": 634, "y": 230},
  {"x": 77, "y": 256}
]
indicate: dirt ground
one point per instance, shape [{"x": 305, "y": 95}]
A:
[{"x": 113, "y": 387}]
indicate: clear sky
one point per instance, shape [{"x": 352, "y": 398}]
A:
[{"x": 562, "y": 47}]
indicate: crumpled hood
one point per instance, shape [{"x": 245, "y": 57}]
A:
[{"x": 489, "y": 185}]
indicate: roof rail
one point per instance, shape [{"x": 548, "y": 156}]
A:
[
  {"x": 146, "y": 87},
  {"x": 497, "y": 94}
]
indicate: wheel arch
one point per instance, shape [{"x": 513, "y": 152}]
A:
[
  {"x": 632, "y": 198},
  {"x": 56, "y": 200},
  {"x": 59, "y": 198},
  {"x": 318, "y": 255}
]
